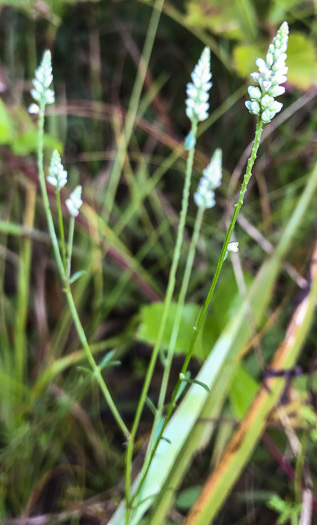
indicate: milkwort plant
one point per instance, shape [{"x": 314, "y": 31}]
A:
[
  {"x": 197, "y": 110},
  {"x": 271, "y": 74},
  {"x": 43, "y": 95}
]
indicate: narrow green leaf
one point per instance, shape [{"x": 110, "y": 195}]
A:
[
  {"x": 84, "y": 369},
  {"x": 151, "y": 405},
  {"x": 106, "y": 361},
  {"x": 77, "y": 275},
  {"x": 182, "y": 387},
  {"x": 195, "y": 382},
  {"x": 158, "y": 429}
]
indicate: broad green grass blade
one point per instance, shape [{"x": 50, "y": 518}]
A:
[
  {"x": 23, "y": 287},
  {"x": 185, "y": 434},
  {"x": 224, "y": 359},
  {"x": 247, "y": 436}
]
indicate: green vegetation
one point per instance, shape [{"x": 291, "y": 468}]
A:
[{"x": 150, "y": 372}]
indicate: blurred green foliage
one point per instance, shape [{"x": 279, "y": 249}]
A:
[{"x": 59, "y": 445}]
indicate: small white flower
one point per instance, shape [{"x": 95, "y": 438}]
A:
[
  {"x": 272, "y": 73},
  {"x": 43, "y": 79},
  {"x": 233, "y": 247},
  {"x": 276, "y": 91},
  {"x": 266, "y": 116},
  {"x": 266, "y": 101},
  {"x": 254, "y": 92},
  {"x": 253, "y": 107},
  {"x": 211, "y": 179},
  {"x": 57, "y": 175},
  {"x": 74, "y": 202},
  {"x": 34, "y": 109},
  {"x": 197, "y": 102}
]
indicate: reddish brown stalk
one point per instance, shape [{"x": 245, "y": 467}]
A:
[{"x": 282, "y": 461}]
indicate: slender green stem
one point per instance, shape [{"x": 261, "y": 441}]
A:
[
  {"x": 133, "y": 108},
  {"x": 203, "y": 313},
  {"x": 70, "y": 246},
  {"x": 174, "y": 335},
  {"x": 222, "y": 257},
  {"x": 180, "y": 306},
  {"x": 46, "y": 203},
  {"x": 167, "y": 303},
  {"x": 92, "y": 362},
  {"x": 61, "y": 225},
  {"x": 66, "y": 284}
]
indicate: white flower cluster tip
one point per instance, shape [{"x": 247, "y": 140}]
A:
[
  {"x": 205, "y": 195},
  {"x": 233, "y": 247},
  {"x": 57, "y": 175},
  {"x": 43, "y": 79},
  {"x": 197, "y": 102},
  {"x": 74, "y": 202},
  {"x": 271, "y": 74}
]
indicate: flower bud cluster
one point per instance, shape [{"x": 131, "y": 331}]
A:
[
  {"x": 43, "y": 79},
  {"x": 271, "y": 74},
  {"x": 197, "y": 102},
  {"x": 57, "y": 175},
  {"x": 44, "y": 95},
  {"x": 58, "y": 178},
  {"x": 205, "y": 195},
  {"x": 233, "y": 247},
  {"x": 74, "y": 202}
]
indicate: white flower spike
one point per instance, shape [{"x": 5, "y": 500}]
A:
[
  {"x": 74, "y": 202},
  {"x": 43, "y": 79},
  {"x": 271, "y": 74},
  {"x": 197, "y": 102},
  {"x": 211, "y": 179},
  {"x": 57, "y": 175}
]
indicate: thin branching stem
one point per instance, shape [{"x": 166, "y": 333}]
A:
[
  {"x": 174, "y": 335},
  {"x": 70, "y": 246},
  {"x": 66, "y": 284},
  {"x": 237, "y": 208},
  {"x": 180, "y": 306},
  {"x": 198, "y": 327},
  {"x": 166, "y": 308},
  {"x": 61, "y": 225}
]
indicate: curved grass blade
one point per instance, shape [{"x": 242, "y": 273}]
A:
[
  {"x": 247, "y": 436},
  {"x": 184, "y": 431}
]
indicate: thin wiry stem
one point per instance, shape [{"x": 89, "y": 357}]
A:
[
  {"x": 67, "y": 289},
  {"x": 198, "y": 327},
  {"x": 166, "y": 307}
]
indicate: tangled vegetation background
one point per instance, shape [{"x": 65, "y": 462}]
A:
[{"x": 61, "y": 455}]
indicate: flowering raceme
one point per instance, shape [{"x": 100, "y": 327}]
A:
[
  {"x": 43, "y": 79},
  {"x": 197, "y": 102},
  {"x": 271, "y": 74},
  {"x": 74, "y": 202},
  {"x": 211, "y": 179},
  {"x": 57, "y": 175}
]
